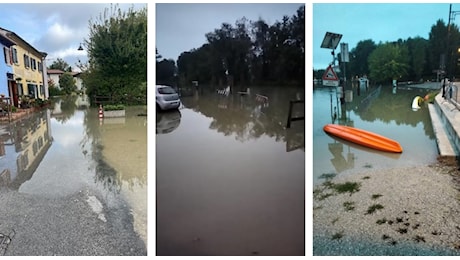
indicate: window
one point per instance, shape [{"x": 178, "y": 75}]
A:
[
  {"x": 26, "y": 61},
  {"x": 33, "y": 64},
  {"x": 15, "y": 55},
  {"x": 40, "y": 66},
  {"x": 7, "y": 54},
  {"x": 20, "y": 90}
]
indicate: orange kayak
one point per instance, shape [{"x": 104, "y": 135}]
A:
[{"x": 362, "y": 137}]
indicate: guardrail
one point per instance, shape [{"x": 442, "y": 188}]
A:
[{"x": 451, "y": 94}]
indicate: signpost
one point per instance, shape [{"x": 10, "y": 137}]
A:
[{"x": 330, "y": 78}]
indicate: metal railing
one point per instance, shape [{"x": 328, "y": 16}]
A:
[{"x": 451, "y": 94}]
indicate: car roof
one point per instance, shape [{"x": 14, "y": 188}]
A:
[{"x": 163, "y": 86}]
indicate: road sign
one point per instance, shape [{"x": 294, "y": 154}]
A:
[{"x": 330, "y": 78}]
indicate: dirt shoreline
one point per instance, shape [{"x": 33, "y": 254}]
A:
[{"x": 416, "y": 205}]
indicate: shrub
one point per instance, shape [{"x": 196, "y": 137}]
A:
[{"x": 114, "y": 107}]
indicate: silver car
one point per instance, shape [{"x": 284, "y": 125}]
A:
[{"x": 166, "y": 97}]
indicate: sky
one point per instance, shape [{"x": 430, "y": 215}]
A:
[
  {"x": 55, "y": 28},
  {"x": 384, "y": 22},
  {"x": 182, "y": 27}
]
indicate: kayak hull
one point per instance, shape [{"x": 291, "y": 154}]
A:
[{"x": 364, "y": 138}]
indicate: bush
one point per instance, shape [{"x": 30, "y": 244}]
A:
[{"x": 114, "y": 107}]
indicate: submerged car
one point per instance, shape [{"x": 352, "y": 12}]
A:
[{"x": 166, "y": 97}]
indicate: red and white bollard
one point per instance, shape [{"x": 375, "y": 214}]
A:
[{"x": 101, "y": 112}]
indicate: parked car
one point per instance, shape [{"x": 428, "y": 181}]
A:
[{"x": 166, "y": 98}]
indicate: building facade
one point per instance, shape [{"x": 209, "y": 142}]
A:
[
  {"x": 28, "y": 69},
  {"x": 6, "y": 69}
]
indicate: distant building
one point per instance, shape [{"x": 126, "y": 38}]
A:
[
  {"x": 78, "y": 81},
  {"x": 53, "y": 77}
]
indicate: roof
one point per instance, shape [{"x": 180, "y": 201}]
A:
[
  {"x": 51, "y": 71},
  {"x": 12, "y": 36},
  {"x": 5, "y": 40}
]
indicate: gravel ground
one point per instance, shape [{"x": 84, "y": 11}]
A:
[{"x": 400, "y": 211}]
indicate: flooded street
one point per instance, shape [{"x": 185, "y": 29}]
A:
[
  {"x": 383, "y": 110},
  {"x": 230, "y": 178},
  {"x": 67, "y": 156}
]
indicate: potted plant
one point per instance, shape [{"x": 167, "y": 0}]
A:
[{"x": 117, "y": 110}]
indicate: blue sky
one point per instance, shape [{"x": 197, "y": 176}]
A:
[
  {"x": 378, "y": 22},
  {"x": 55, "y": 28},
  {"x": 182, "y": 27}
]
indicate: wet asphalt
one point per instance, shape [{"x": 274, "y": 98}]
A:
[{"x": 75, "y": 225}]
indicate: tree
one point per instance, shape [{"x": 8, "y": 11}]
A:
[
  {"x": 387, "y": 62},
  {"x": 60, "y": 64},
  {"x": 117, "y": 50},
  {"x": 250, "y": 52},
  {"x": 437, "y": 46},
  {"x": 165, "y": 72},
  {"x": 67, "y": 83},
  {"x": 359, "y": 57},
  {"x": 417, "y": 51}
]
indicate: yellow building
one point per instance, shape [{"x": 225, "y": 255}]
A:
[{"x": 29, "y": 70}]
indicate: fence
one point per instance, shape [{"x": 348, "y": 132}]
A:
[
  {"x": 451, "y": 94},
  {"x": 290, "y": 118}
]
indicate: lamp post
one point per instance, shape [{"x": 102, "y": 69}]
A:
[{"x": 80, "y": 48}]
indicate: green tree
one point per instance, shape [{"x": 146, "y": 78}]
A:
[
  {"x": 117, "y": 50},
  {"x": 417, "y": 51},
  {"x": 60, "y": 64},
  {"x": 165, "y": 72},
  {"x": 250, "y": 52},
  {"x": 67, "y": 83},
  {"x": 388, "y": 62},
  {"x": 359, "y": 57}
]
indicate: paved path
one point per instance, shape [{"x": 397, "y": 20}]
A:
[{"x": 76, "y": 225}]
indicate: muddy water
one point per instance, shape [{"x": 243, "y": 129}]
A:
[
  {"x": 67, "y": 149},
  {"x": 125, "y": 149},
  {"x": 230, "y": 178},
  {"x": 383, "y": 110}
]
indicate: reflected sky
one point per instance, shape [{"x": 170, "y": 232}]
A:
[{"x": 68, "y": 166}]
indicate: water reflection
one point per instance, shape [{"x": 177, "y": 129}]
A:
[
  {"x": 378, "y": 109},
  {"x": 230, "y": 178},
  {"x": 23, "y": 144},
  {"x": 250, "y": 115},
  {"x": 167, "y": 121},
  {"x": 66, "y": 149}
]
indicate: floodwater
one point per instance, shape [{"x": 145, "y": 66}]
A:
[
  {"x": 230, "y": 178},
  {"x": 384, "y": 110},
  {"x": 67, "y": 148}
]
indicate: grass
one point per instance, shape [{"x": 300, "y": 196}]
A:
[
  {"x": 373, "y": 208},
  {"x": 350, "y": 187},
  {"x": 368, "y": 166},
  {"x": 381, "y": 221},
  {"x": 337, "y": 235},
  {"x": 349, "y": 205},
  {"x": 376, "y": 196},
  {"x": 327, "y": 176}
]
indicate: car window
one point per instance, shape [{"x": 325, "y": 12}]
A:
[{"x": 166, "y": 90}]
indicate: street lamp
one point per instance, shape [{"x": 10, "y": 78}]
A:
[{"x": 80, "y": 48}]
